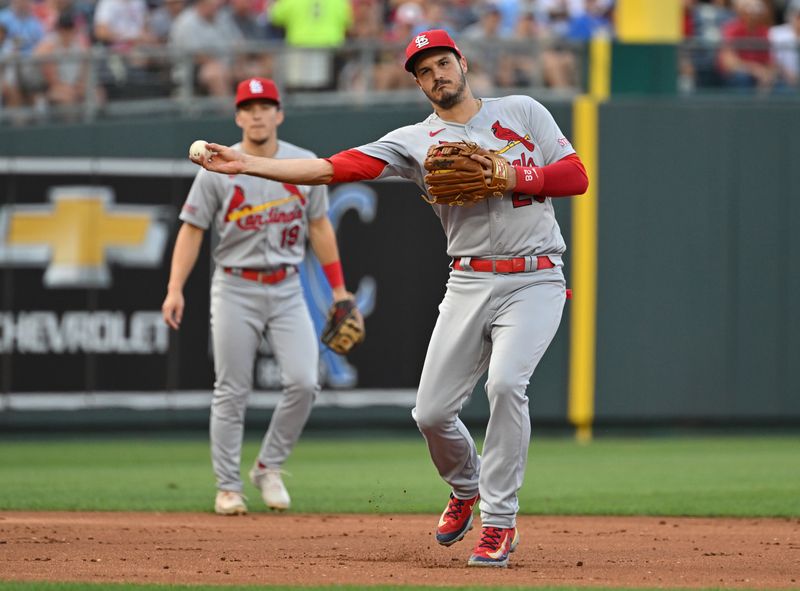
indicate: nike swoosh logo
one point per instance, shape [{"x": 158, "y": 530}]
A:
[
  {"x": 438, "y": 131},
  {"x": 500, "y": 551}
]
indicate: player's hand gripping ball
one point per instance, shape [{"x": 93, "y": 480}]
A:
[
  {"x": 198, "y": 151},
  {"x": 344, "y": 328},
  {"x": 456, "y": 179}
]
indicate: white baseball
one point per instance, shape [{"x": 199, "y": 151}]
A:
[{"x": 198, "y": 150}]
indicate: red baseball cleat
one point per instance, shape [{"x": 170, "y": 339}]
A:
[
  {"x": 456, "y": 520},
  {"x": 494, "y": 547}
]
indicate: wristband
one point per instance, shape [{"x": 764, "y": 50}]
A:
[
  {"x": 333, "y": 271},
  {"x": 530, "y": 180}
]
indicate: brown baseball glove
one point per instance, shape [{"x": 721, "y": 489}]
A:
[
  {"x": 344, "y": 328},
  {"x": 456, "y": 179}
]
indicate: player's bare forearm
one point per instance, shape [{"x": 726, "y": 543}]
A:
[
  {"x": 184, "y": 257},
  {"x": 512, "y": 179},
  {"x": 298, "y": 171},
  {"x": 323, "y": 242}
]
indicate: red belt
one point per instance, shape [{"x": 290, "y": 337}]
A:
[
  {"x": 260, "y": 276},
  {"x": 515, "y": 265}
]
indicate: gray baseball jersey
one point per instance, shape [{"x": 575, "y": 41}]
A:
[
  {"x": 262, "y": 225},
  {"x": 525, "y": 133},
  {"x": 498, "y": 322}
]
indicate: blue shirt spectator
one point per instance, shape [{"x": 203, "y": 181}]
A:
[
  {"x": 594, "y": 20},
  {"x": 22, "y": 27}
]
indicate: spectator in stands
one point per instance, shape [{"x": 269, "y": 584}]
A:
[
  {"x": 438, "y": 17},
  {"x": 463, "y": 13},
  {"x": 211, "y": 36},
  {"x": 48, "y": 12},
  {"x": 709, "y": 17},
  {"x": 22, "y": 26},
  {"x": 408, "y": 19},
  {"x": 24, "y": 32},
  {"x": 557, "y": 17},
  {"x": 784, "y": 40},
  {"x": 367, "y": 28},
  {"x": 254, "y": 63},
  {"x": 594, "y": 20},
  {"x": 489, "y": 23},
  {"x": 162, "y": 19},
  {"x": 66, "y": 75},
  {"x": 367, "y": 21},
  {"x": 121, "y": 25},
  {"x": 703, "y": 29},
  {"x": 573, "y": 8},
  {"x": 557, "y": 14},
  {"x": 745, "y": 60},
  {"x": 389, "y": 72},
  {"x": 244, "y": 15},
  {"x": 550, "y": 64},
  {"x": 10, "y": 95},
  {"x": 513, "y": 11},
  {"x": 312, "y": 25},
  {"x": 492, "y": 59}
]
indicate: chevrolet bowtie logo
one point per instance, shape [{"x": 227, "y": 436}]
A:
[{"x": 79, "y": 233}]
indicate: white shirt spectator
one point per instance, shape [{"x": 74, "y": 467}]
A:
[
  {"x": 784, "y": 40},
  {"x": 195, "y": 32},
  {"x": 125, "y": 19}
]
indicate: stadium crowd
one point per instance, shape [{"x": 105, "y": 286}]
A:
[{"x": 154, "y": 47}]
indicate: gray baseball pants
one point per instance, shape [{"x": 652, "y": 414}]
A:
[
  {"x": 503, "y": 323},
  {"x": 241, "y": 311}
]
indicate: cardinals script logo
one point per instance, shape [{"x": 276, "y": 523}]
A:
[{"x": 253, "y": 217}]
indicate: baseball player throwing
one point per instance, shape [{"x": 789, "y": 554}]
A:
[
  {"x": 263, "y": 226},
  {"x": 506, "y": 290}
]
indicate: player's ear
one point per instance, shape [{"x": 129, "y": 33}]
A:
[
  {"x": 236, "y": 119},
  {"x": 279, "y": 117},
  {"x": 464, "y": 67}
]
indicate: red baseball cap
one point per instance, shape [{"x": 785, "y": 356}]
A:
[
  {"x": 257, "y": 88},
  {"x": 433, "y": 39}
]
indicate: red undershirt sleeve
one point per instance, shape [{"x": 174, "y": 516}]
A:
[
  {"x": 564, "y": 178},
  {"x": 352, "y": 165}
]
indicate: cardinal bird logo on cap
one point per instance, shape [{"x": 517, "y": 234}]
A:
[{"x": 512, "y": 137}]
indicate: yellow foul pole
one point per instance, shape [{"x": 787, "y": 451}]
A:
[
  {"x": 583, "y": 334},
  {"x": 636, "y": 21}
]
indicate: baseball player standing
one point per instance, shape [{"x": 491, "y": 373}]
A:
[
  {"x": 506, "y": 290},
  {"x": 263, "y": 226}
]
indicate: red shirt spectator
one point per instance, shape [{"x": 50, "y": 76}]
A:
[{"x": 745, "y": 60}]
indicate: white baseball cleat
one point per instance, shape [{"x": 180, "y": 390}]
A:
[
  {"x": 230, "y": 502},
  {"x": 270, "y": 482}
]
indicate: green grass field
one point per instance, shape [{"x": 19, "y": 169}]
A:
[
  {"x": 710, "y": 476},
  {"x": 714, "y": 476}
]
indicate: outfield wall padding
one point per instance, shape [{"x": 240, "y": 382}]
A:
[{"x": 697, "y": 259}]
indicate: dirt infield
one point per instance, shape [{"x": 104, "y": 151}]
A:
[{"x": 267, "y": 549}]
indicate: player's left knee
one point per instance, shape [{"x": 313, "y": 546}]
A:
[
  {"x": 304, "y": 386},
  {"x": 503, "y": 386},
  {"x": 432, "y": 419}
]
